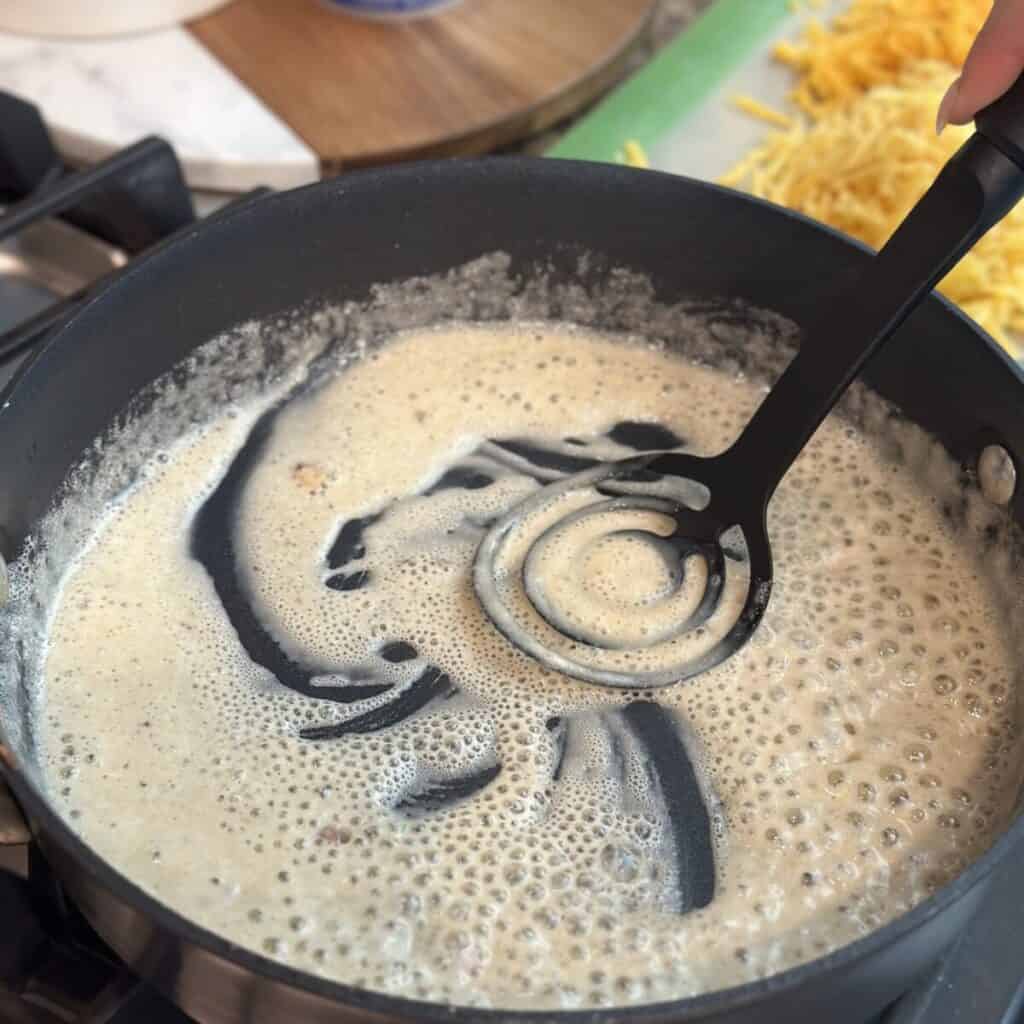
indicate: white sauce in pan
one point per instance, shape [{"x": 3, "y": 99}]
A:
[{"x": 501, "y": 838}]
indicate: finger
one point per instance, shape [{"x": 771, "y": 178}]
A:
[{"x": 994, "y": 63}]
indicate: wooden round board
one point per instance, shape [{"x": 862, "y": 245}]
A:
[{"x": 483, "y": 75}]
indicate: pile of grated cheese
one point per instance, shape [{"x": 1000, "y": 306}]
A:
[
  {"x": 864, "y": 148},
  {"x": 874, "y": 42},
  {"x": 633, "y": 154}
]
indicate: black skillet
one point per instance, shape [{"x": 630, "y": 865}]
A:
[{"x": 333, "y": 242}]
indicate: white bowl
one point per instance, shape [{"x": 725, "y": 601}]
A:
[{"x": 93, "y": 18}]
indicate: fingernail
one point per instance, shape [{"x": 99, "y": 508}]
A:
[{"x": 942, "y": 118}]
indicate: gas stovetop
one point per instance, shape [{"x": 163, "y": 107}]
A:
[{"x": 63, "y": 233}]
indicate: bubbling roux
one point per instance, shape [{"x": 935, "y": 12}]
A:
[{"x": 274, "y": 701}]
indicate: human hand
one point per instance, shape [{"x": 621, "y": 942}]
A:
[{"x": 995, "y": 62}]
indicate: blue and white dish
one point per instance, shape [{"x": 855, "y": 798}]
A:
[{"x": 389, "y": 9}]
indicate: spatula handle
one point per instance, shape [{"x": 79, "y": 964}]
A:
[
  {"x": 977, "y": 188},
  {"x": 1002, "y": 122}
]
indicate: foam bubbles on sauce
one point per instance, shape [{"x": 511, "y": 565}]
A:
[{"x": 274, "y": 702}]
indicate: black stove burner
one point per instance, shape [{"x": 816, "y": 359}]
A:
[{"x": 54, "y": 969}]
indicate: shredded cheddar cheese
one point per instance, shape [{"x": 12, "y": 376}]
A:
[
  {"x": 633, "y": 155},
  {"x": 765, "y": 113},
  {"x": 865, "y": 149},
  {"x": 874, "y": 42},
  {"x": 796, "y": 6}
]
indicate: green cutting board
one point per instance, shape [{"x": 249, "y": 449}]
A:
[{"x": 680, "y": 108}]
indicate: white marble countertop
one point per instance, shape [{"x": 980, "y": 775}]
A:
[{"x": 98, "y": 96}]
